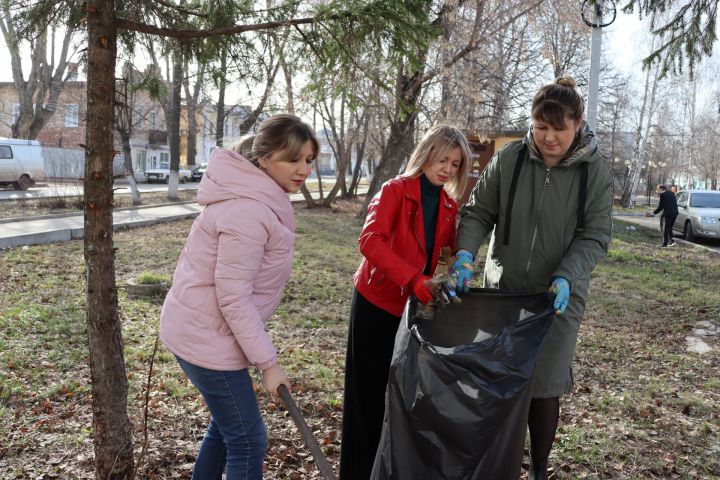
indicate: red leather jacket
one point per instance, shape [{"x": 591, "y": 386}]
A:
[{"x": 393, "y": 242}]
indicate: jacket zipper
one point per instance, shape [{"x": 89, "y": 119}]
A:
[
  {"x": 546, "y": 184},
  {"x": 422, "y": 249}
]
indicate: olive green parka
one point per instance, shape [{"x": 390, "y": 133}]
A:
[{"x": 544, "y": 241}]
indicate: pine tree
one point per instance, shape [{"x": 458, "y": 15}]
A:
[{"x": 686, "y": 29}]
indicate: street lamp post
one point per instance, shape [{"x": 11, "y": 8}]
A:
[{"x": 596, "y": 14}]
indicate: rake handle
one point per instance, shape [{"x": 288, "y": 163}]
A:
[{"x": 317, "y": 453}]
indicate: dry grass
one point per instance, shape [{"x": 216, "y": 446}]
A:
[{"x": 643, "y": 407}]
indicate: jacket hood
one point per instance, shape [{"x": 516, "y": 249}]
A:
[
  {"x": 230, "y": 176},
  {"x": 583, "y": 148}
]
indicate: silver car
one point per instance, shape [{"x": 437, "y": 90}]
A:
[{"x": 698, "y": 214}]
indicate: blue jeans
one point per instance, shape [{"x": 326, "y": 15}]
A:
[{"x": 236, "y": 435}]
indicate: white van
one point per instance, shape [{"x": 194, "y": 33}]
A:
[{"x": 21, "y": 163}]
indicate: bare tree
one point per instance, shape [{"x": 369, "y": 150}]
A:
[
  {"x": 565, "y": 39},
  {"x": 38, "y": 95},
  {"x": 642, "y": 132},
  {"x": 707, "y": 163},
  {"x": 343, "y": 127},
  {"x": 125, "y": 112},
  {"x": 414, "y": 73},
  {"x": 192, "y": 96}
]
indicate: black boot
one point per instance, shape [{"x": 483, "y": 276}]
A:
[{"x": 538, "y": 470}]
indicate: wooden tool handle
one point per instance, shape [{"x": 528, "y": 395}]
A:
[{"x": 317, "y": 453}]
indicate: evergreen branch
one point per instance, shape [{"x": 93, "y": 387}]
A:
[
  {"x": 217, "y": 32},
  {"x": 180, "y": 9}
]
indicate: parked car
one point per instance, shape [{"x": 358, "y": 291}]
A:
[
  {"x": 198, "y": 172},
  {"x": 698, "y": 214},
  {"x": 21, "y": 163},
  {"x": 162, "y": 174}
]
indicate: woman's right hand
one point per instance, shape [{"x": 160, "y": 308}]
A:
[
  {"x": 463, "y": 269},
  {"x": 273, "y": 377}
]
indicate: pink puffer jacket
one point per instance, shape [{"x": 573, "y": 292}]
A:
[{"x": 231, "y": 274}]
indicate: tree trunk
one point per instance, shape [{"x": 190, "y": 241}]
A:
[
  {"x": 130, "y": 171},
  {"x": 359, "y": 155},
  {"x": 253, "y": 116},
  {"x": 192, "y": 103},
  {"x": 309, "y": 200},
  {"x": 220, "y": 115},
  {"x": 111, "y": 426},
  {"x": 402, "y": 133},
  {"x": 124, "y": 102},
  {"x": 641, "y": 141},
  {"x": 173, "y": 126}
]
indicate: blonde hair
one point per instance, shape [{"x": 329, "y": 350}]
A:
[
  {"x": 555, "y": 101},
  {"x": 279, "y": 132},
  {"x": 435, "y": 145}
]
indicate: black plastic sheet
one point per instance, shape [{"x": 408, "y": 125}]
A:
[{"x": 460, "y": 387}]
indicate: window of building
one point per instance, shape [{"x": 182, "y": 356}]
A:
[
  {"x": 153, "y": 120},
  {"x": 71, "y": 115},
  {"x": 164, "y": 158},
  {"x": 139, "y": 120},
  {"x": 15, "y": 112},
  {"x": 141, "y": 160}
]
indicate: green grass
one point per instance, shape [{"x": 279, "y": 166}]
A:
[
  {"x": 150, "y": 278},
  {"x": 642, "y": 408}
]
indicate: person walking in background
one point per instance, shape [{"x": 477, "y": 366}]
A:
[
  {"x": 228, "y": 282},
  {"x": 667, "y": 205},
  {"x": 547, "y": 202},
  {"x": 408, "y": 223}
]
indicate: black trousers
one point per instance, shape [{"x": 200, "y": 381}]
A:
[
  {"x": 370, "y": 344},
  {"x": 667, "y": 231}
]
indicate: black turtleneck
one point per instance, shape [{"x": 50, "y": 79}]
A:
[{"x": 430, "y": 200}]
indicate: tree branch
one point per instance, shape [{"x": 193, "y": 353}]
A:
[
  {"x": 217, "y": 32},
  {"x": 475, "y": 42}
]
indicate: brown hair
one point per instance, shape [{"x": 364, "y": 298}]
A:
[
  {"x": 279, "y": 132},
  {"x": 435, "y": 145},
  {"x": 556, "y": 101}
]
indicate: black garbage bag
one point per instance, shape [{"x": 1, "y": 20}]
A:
[{"x": 460, "y": 387}]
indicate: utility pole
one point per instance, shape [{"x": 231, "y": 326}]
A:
[{"x": 596, "y": 14}]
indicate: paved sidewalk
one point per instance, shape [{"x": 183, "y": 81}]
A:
[
  {"x": 639, "y": 219},
  {"x": 68, "y": 227},
  {"x": 60, "y": 228}
]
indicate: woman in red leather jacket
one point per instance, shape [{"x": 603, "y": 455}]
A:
[{"x": 407, "y": 224}]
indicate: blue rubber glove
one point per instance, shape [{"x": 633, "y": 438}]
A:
[
  {"x": 561, "y": 288},
  {"x": 463, "y": 269}
]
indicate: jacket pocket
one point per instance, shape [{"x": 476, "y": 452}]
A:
[{"x": 376, "y": 277}]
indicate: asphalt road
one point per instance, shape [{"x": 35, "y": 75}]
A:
[{"x": 75, "y": 189}]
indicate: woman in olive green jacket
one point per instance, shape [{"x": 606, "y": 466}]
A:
[{"x": 550, "y": 219}]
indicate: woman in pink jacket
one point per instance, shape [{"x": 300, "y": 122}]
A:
[{"x": 227, "y": 283}]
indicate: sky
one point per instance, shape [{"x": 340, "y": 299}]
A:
[{"x": 623, "y": 43}]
